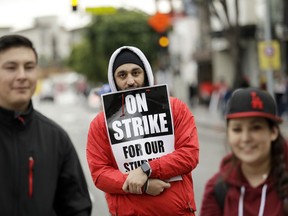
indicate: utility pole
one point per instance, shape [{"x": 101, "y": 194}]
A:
[
  {"x": 156, "y": 5},
  {"x": 268, "y": 38},
  {"x": 285, "y": 37}
]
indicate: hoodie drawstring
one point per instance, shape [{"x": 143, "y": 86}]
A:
[
  {"x": 262, "y": 204},
  {"x": 263, "y": 200},
  {"x": 241, "y": 202}
]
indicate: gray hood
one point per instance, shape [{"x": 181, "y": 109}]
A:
[{"x": 140, "y": 54}]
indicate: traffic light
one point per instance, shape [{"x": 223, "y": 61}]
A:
[
  {"x": 163, "y": 50},
  {"x": 163, "y": 41},
  {"x": 74, "y": 4}
]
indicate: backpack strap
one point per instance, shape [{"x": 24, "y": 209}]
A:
[{"x": 220, "y": 191}]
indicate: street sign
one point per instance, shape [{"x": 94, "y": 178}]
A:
[
  {"x": 160, "y": 22},
  {"x": 269, "y": 55},
  {"x": 101, "y": 10}
]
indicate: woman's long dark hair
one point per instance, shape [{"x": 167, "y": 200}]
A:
[{"x": 279, "y": 165}]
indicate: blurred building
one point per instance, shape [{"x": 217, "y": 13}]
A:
[
  {"x": 202, "y": 46},
  {"x": 180, "y": 69},
  {"x": 211, "y": 46},
  {"x": 52, "y": 41},
  {"x": 215, "y": 55},
  {"x": 4, "y": 30}
]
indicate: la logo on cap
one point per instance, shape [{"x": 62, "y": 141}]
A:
[{"x": 256, "y": 101}]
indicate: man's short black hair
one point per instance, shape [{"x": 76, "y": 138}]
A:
[{"x": 12, "y": 41}]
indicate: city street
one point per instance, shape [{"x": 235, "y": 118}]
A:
[
  {"x": 75, "y": 118},
  {"x": 202, "y": 51}
]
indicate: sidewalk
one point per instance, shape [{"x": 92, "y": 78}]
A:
[
  {"x": 213, "y": 120},
  {"x": 206, "y": 118}
]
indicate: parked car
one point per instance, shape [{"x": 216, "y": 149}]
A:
[
  {"x": 47, "y": 91},
  {"x": 94, "y": 99}
]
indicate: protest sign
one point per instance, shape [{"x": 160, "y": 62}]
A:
[{"x": 139, "y": 125}]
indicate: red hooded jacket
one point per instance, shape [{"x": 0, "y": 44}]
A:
[{"x": 176, "y": 200}]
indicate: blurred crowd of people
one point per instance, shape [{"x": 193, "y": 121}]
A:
[{"x": 215, "y": 96}]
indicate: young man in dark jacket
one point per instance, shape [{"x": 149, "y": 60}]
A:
[{"x": 40, "y": 170}]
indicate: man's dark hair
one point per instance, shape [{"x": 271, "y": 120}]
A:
[{"x": 12, "y": 41}]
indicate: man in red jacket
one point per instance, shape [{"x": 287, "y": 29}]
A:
[{"x": 144, "y": 191}]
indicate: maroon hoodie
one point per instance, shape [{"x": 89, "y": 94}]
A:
[{"x": 241, "y": 199}]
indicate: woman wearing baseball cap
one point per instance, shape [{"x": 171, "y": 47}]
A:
[{"x": 253, "y": 178}]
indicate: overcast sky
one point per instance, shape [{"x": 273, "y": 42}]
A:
[{"x": 20, "y": 14}]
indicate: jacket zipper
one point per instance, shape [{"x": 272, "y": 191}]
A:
[
  {"x": 30, "y": 177},
  {"x": 191, "y": 209},
  {"x": 17, "y": 169},
  {"x": 189, "y": 204}
]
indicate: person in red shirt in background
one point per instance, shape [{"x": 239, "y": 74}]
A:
[{"x": 205, "y": 91}]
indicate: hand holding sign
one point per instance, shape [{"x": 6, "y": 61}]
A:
[
  {"x": 156, "y": 186},
  {"x": 135, "y": 181}
]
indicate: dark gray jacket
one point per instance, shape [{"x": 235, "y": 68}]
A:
[{"x": 40, "y": 170}]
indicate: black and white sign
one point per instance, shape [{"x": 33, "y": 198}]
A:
[{"x": 139, "y": 125}]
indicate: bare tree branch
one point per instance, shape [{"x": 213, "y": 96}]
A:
[
  {"x": 237, "y": 12},
  {"x": 216, "y": 13},
  {"x": 224, "y": 5}
]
